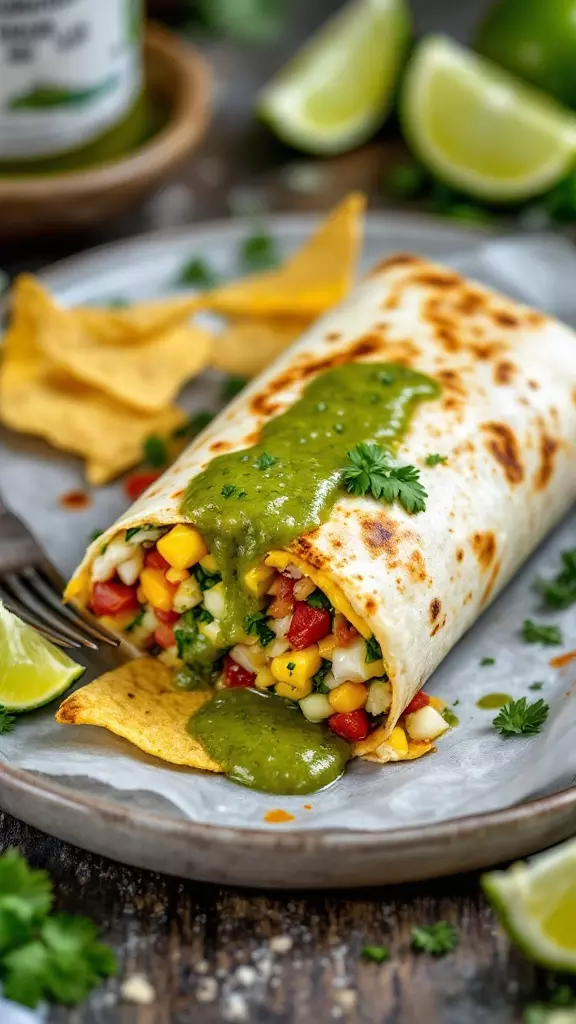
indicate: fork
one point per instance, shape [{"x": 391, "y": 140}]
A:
[{"x": 32, "y": 588}]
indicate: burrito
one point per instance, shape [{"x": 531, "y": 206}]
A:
[{"x": 313, "y": 556}]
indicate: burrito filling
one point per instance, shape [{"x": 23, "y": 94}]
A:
[{"x": 222, "y": 599}]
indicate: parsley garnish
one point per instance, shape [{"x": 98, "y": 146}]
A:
[
  {"x": 135, "y": 622},
  {"x": 197, "y": 273},
  {"x": 437, "y": 939},
  {"x": 488, "y": 661},
  {"x": 258, "y": 252},
  {"x": 232, "y": 386},
  {"x": 373, "y": 650},
  {"x": 7, "y": 721},
  {"x": 193, "y": 425},
  {"x": 518, "y": 718},
  {"x": 560, "y": 592},
  {"x": 371, "y": 472},
  {"x": 318, "y": 684},
  {"x": 228, "y": 490},
  {"x": 449, "y": 717},
  {"x": 265, "y": 460},
  {"x": 317, "y": 599},
  {"x": 378, "y": 954},
  {"x": 256, "y": 626},
  {"x": 205, "y": 578},
  {"x": 536, "y": 686},
  {"x": 436, "y": 460},
  {"x": 54, "y": 957},
  {"x": 155, "y": 451},
  {"x": 538, "y": 633}
]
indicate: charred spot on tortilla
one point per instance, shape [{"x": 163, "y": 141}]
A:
[
  {"x": 370, "y": 606},
  {"x": 433, "y": 279},
  {"x": 491, "y": 581},
  {"x": 417, "y": 568},
  {"x": 399, "y": 259},
  {"x": 504, "y": 372},
  {"x": 548, "y": 448},
  {"x": 502, "y": 444},
  {"x": 435, "y": 609},
  {"x": 484, "y": 547},
  {"x": 333, "y": 336},
  {"x": 460, "y": 555},
  {"x": 221, "y": 446},
  {"x": 380, "y": 534}
]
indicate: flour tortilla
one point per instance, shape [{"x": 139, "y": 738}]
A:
[{"x": 506, "y": 422}]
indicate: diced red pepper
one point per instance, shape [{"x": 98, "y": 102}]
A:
[
  {"x": 111, "y": 598},
  {"x": 164, "y": 635},
  {"x": 138, "y": 482},
  {"x": 154, "y": 560},
  {"x": 417, "y": 702},
  {"x": 350, "y": 725},
  {"x": 283, "y": 591},
  {"x": 235, "y": 675},
  {"x": 308, "y": 626},
  {"x": 344, "y": 631},
  {"x": 168, "y": 617}
]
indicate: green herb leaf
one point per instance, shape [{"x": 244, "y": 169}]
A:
[
  {"x": 488, "y": 661},
  {"x": 197, "y": 273},
  {"x": 265, "y": 460},
  {"x": 232, "y": 386},
  {"x": 291, "y": 666},
  {"x": 317, "y": 599},
  {"x": 203, "y": 615},
  {"x": 560, "y": 592},
  {"x": 406, "y": 181},
  {"x": 536, "y": 686},
  {"x": 318, "y": 684},
  {"x": 7, "y": 720},
  {"x": 371, "y": 472},
  {"x": 378, "y": 954},
  {"x": 155, "y": 451},
  {"x": 373, "y": 650},
  {"x": 538, "y": 633},
  {"x": 206, "y": 579},
  {"x": 131, "y": 532},
  {"x": 437, "y": 939},
  {"x": 135, "y": 622},
  {"x": 194, "y": 425},
  {"x": 228, "y": 490},
  {"x": 518, "y": 718},
  {"x": 258, "y": 252},
  {"x": 256, "y": 626},
  {"x": 436, "y": 460},
  {"x": 95, "y": 534},
  {"x": 450, "y": 718}
]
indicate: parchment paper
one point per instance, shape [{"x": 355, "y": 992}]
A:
[{"x": 473, "y": 770}]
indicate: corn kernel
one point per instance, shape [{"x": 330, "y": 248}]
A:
[
  {"x": 348, "y": 697},
  {"x": 327, "y": 645},
  {"x": 209, "y": 563},
  {"x": 258, "y": 579},
  {"x": 182, "y": 547},
  {"x": 141, "y": 596},
  {"x": 436, "y": 703},
  {"x": 177, "y": 575},
  {"x": 296, "y": 667},
  {"x": 294, "y": 692},
  {"x": 157, "y": 591},
  {"x": 264, "y": 679},
  {"x": 397, "y": 740},
  {"x": 117, "y": 623}
]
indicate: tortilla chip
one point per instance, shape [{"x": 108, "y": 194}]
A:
[
  {"x": 138, "y": 702},
  {"x": 247, "y": 346},
  {"x": 315, "y": 278},
  {"x": 138, "y": 322}
]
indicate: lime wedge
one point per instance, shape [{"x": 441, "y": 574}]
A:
[
  {"x": 479, "y": 128},
  {"x": 536, "y": 903},
  {"x": 338, "y": 89},
  {"x": 32, "y": 670}
]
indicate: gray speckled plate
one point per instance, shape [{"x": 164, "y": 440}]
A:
[{"x": 121, "y": 824}]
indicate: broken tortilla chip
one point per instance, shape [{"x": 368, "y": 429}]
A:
[
  {"x": 138, "y": 322},
  {"x": 315, "y": 278},
  {"x": 138, "y": 702},
  {"x": 246, "y": 347}
]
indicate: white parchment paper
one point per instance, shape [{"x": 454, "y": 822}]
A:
[{"x": 474, "y": 768}]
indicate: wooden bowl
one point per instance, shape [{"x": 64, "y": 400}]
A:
[{"x": 179, "y": 78}]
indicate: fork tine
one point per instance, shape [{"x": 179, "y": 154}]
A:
[
  {"x": 23, "y": 613},
  {"x": 25, "y": 595},
  {"x": 46, "y": 589}
]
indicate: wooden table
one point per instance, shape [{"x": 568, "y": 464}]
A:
[{"x": 206, "y": 950}]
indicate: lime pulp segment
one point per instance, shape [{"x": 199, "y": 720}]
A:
[{"x": 32, "y": 670}]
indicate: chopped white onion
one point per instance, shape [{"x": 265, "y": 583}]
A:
[
  {"x": 316, "y": 707},
  {"x": 277, "y": 647},
  {"x": 187, "y": 596},
  {"x": 250, "y": 658},
  {"x": 215, "y": 600},
  {"x": 212, "y": 632},
  {"x": 106, "y": 564},
  {"x": 379, "y": 697},
  {"x": 293, "y": 572},
  {"x": 280, "y": 626},
  {"x": 349, "y": 663},
  {"x": 425, "y": 724},
  {"x": 129, "y": 571}
]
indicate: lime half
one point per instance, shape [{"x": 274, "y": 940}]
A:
[
  {"x": 32, "y": 670},
  {"x": 479, "y": 128},
  {"x": 338, "y": 89},
  {"x": 536, "y": 903}
]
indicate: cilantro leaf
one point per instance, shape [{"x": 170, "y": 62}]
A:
[
  {"x": 373, "y": 650},
  {"x": 137, "y": 621},
  {"x": 436, "y": 460},
  {"x": 256, "y": 626},
  {"x": 155, "y": 451},
  {"x": 95, "y": 534},
  {"x": 258, "y": 252},
  {"x": 228, "y": 490},
  {"x": 536, "y": 686},
  {"x": 538, "y": 633},
  {"x": 378, "y": 954},
  {"x": 131, "y": 532},
  {"x": 7, "y": 720},
  {"x": 371, "y": 472},
  {"x": 193, "y": 425},
  {"x": 206, "y": 579},
  {"x": 436, "y": 939},
  {"x": 265, "y": 460},
  {"x": 25, "y": 891},
  {"x": 317, "y": 599},
  {"x": 449, "y": 717},
  {"x": 232, "y": 386},
  {"x": 198, "y": 273},
  {"x": 518, "y": 718},
  {"x": 318, "y": 684},
  {"x": 560, "y": 592},
  {"x": 487, "y": 661},
  {"x": 203, "y": 615}
]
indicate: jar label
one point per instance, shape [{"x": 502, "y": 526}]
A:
[{"x": 69, "y": 70}]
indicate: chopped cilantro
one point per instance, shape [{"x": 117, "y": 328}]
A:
[
  {"x": 488, "y": 661},
  {"x": 436, "y": 460},
  {"x": 232, "y": 386},
  {"x": 370, "y": 471},
  {"x": 378, "y": 954},
  {"x": 95, "y": 534},
  {"x": 536, "y": 686},
  {"x": 198, "y": 273},
  {"x": 228, "y": 490},
  {"x": 518, "y": 718},
  {"x": 560, "y": 592},
  {"x": 436, "y": 939},
  {"x": 450, "y": 718},
  {"x": 6, "y": 720},
  {"x": 137, "y": 621},
  {"x": 202, "y": 614},
  {"x": 291, "y": 666},
  {"x": 256, "y": 626},
  {"x": 317, "y": 599},
  {"x": 155, "y": 451},
  {"x": 265, "y": 460},
  {"x": 373, "y": 650},
  {"x": 318, "y": 684},
  {"x": 242, "y": 494},
  {"x": 193, "y": 425},
  {"x": 406, "y": 181},
  {"x": 206, "y": 579},
  {"x": 131, "y": 532},
  {"x": 538, "y": 633},
  {"x": 258, "y": 252}
]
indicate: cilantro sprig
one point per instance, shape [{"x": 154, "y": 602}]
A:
[
  {"x": 256, "y": 626},
  {"x": 373, "y": 650},
  {"x": 7, "y": 720},
  {"x": 538, "y": 633},
  {"x": 318, "y": 684},
  {"x": 436, "y": 939},
  {"x": 519, "y": 718},
  {"x": 43, "y": 956},
  {"x": 560, "y": 592},
  {"x": 155, "y": 451},
  {"x": 371, "y": 472},
  {"x": 436, "y": 460}
]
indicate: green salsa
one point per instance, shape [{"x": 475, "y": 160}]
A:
[
  {"x": 264, "y": 742},
  {"x": 249, "y": 502},
  {"x": 493, "y": 700}
]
